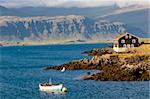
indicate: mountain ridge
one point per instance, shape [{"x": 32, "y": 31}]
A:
[
  {"x": 55, "y": 11},
  {"x": 72, "y": 27}
]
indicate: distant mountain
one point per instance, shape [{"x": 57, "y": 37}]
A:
[
  {"x": 5, "y": 11},
  {"x": 72, "y": 27},
  {"x": 54, "y": 11},
  {"x": 135, "y": 16},
  {"x": 49, "y": 23}
]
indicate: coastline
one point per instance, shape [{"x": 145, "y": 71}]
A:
[
  {"x": 130, "y": 66},
  {"x": 55, "y": 42},
  {"x": 38, "y": 43}
]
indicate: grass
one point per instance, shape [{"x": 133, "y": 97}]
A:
[{"x": 138, "y": 51}]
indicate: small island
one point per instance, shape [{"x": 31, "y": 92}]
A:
[{"x": 129, "y": 62}]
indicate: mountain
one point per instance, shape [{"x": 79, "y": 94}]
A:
[
  {"x": 54, "y": 11},
  {"x": 136, "y": 16},
  {"x": 7, "y": 12},
  {"x": 72, "y": 27},
  {"x": 50, "y": 23}
]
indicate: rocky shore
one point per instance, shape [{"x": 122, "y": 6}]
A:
[{"x": 133, "y": 65}]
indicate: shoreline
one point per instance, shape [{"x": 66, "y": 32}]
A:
[
  {"x": 52, "y": 43},
  {"x": 59, "y": 42},
  {"x": 128, "y": 66}
]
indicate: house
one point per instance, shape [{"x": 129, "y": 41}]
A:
[{"x": 125, "y": 41}]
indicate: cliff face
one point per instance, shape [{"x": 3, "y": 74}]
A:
[{"x": 70, "y": 27}]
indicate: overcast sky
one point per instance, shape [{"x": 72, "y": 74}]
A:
[{"x": 69, "y": 3}]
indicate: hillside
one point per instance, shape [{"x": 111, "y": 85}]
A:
[
  {"x": 138, "y": 18},
  {"x": 30, "y": 11},
  {"x": 70, "y": 27}
]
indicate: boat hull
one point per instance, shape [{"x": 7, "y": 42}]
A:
[{"x": 52, "y": 88}]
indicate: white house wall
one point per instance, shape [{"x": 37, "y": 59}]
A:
[{"x": 120, "y": 49}]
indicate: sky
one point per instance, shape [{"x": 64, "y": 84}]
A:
[{"x": 70, "y": 3}]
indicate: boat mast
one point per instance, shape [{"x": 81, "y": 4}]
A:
[{"x": 50, "y": 81}]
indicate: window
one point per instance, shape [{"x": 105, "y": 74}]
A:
[
  {"x": 133, "y": 40},
  {"x": 132, "y": 45},
  {"x": 122, "y": 41},
  {"x": 124, "y": 45}
]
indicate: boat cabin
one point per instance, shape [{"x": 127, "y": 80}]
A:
[{"x": 125, "y": 41}]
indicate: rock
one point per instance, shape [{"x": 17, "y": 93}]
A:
[
  {"x": 99, "y": 51},
  {"x": 114, "y": 66}
]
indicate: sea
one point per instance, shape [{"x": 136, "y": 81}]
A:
[{"x": 21, "y": 71}]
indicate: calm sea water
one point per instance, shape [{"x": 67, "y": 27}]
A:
[{"x": 21, "y": 72}]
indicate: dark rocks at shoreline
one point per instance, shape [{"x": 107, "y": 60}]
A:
[
  {"x": 115, "y": 73},
  {"x": 99, "y": 51},
  {"x": 133, "y": 65},
  {"x": 114, "y": 68},
  {"x": 74, "y": 65},
  {"x": 104, "y": 51},
  {"x": 87, "y": 75},
  {"x": 117, "y": 68}
]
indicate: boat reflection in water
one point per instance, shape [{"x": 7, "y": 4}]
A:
[{"x": 52, "y": 95}]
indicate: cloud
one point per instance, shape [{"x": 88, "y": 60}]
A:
[{"x": 69, "y": 3}]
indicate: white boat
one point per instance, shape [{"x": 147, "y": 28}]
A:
[
  {"x": 52, "y": 87},
  {"x": 63, "y": 69}
]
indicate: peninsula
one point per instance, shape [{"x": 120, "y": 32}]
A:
[{"x": 131, "y": 65}]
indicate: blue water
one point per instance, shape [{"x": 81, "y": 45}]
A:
[{"x": 21, "y": 72}]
